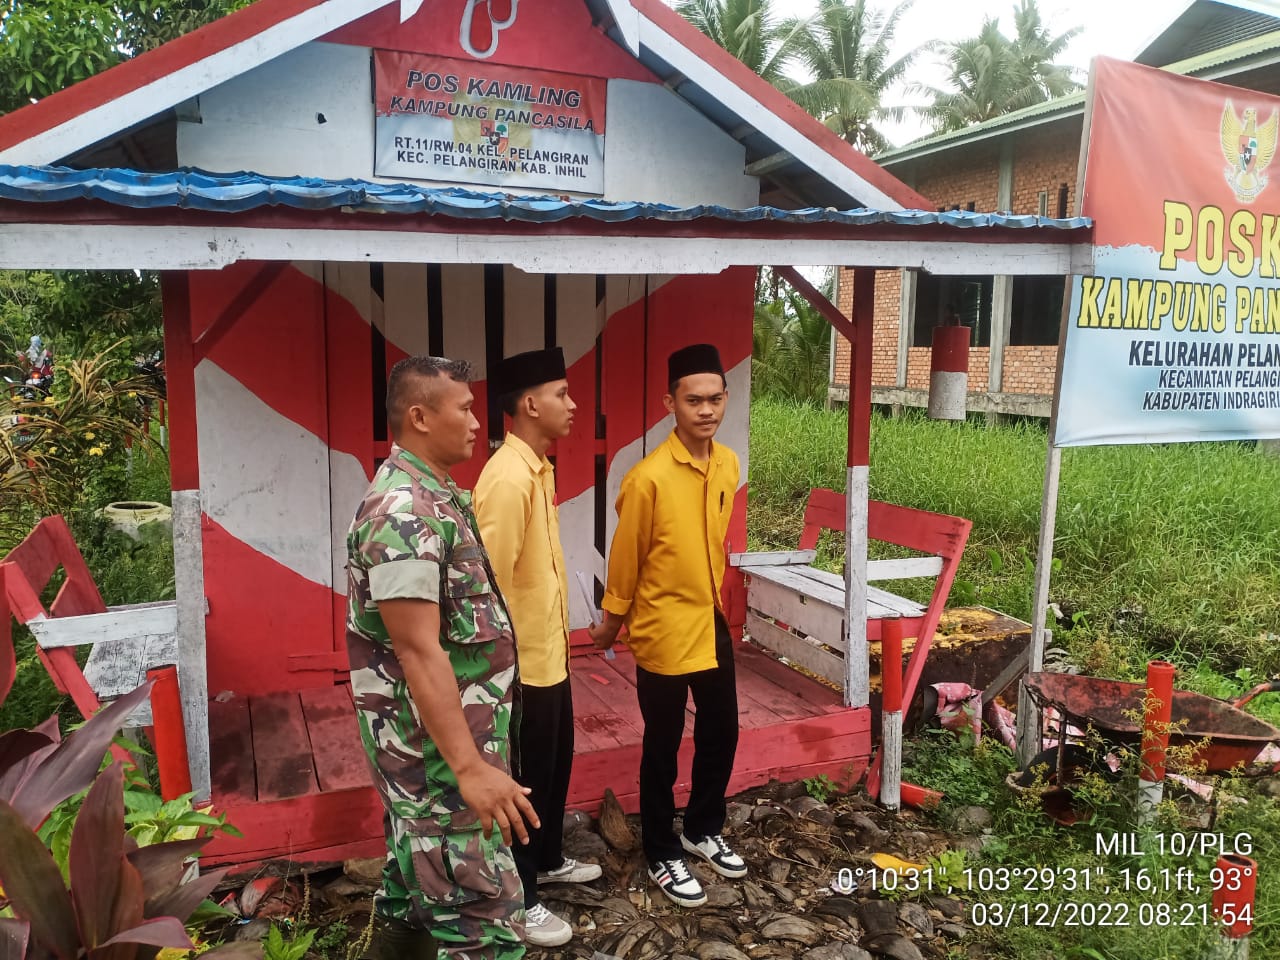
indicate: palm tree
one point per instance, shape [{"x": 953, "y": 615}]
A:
[
  {"x": 1035, "y": 50},
  {"x": 845, "y": 47},
  {"x": 791, "y": 343},
  {"x": 991, "y": 75},
  {"x": 749, "y": 30}
]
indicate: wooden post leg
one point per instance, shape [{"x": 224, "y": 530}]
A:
[
  {"x": 188, "y": 563},
  {"x": 857, "y": 686}
]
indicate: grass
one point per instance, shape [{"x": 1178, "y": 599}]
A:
[
  {"x": 1171, "y": 550},
  {"x": 1145, "y": 905}
]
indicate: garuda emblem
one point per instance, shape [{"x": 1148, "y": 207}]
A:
[{"x": 1248, "y": 150}]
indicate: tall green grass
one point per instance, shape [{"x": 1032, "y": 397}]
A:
[{"x": 1169, "y": 550}]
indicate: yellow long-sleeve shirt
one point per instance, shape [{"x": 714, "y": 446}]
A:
[
  {"x": 515, "y": 499},
  {"x": 666, "y": 565}
]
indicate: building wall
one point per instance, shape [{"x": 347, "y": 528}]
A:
[
  {"x": 884, "y": 344},
  {"x": 918, "y": 368},
  {"x": 1030, "y": 370},
  {"x": 1044, "y": 159},
  {"x": 310, "y": 113}
]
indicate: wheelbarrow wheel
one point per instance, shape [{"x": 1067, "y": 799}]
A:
[{"x": 1076, "y": 758}]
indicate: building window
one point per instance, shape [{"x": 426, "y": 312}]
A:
[
  {"x": 1062, "y": 202},
  {"x": 1043, "y": 205},
  {"x": 1037, "y": 311},
  {"x": 941, "y": 300}
]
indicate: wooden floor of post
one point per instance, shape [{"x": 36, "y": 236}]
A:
[{"x": 857, "y": 685}]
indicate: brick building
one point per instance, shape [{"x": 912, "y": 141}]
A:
[{"x": 1025, "y": 163}]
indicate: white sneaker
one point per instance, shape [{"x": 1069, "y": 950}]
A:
[
  {"x": 716, "y": 852},
  {"x": 674, "y": 879},
  {"x": 571, "y": 871},
  {"x": 542, "y": 928}
]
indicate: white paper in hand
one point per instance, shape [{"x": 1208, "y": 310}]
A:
[{"x": 585, "y": 585}]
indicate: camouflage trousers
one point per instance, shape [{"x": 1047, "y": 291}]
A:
[{"x": 463, "y": 887}]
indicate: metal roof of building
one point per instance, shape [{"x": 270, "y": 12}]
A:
[{"x": 238, "y": 192}]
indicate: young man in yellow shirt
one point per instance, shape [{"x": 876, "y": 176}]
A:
[
  {"x": 516, "y": 506},
  {"x": 666, "y": 569}
]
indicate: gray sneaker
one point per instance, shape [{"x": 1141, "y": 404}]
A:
[
  {"x": 571, "y": 871},
  {"x": 542, "y": 928}
]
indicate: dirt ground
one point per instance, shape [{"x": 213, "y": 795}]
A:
[{"x": 795, "y": 903}]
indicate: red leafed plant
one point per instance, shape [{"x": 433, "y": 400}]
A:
[{"x": 122, "y": 902}]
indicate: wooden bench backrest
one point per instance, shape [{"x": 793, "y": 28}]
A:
[
  {"x": 935, "y": 533},
  {"x": 28, "y": 568},
  {"x": 36, "y": 559}
]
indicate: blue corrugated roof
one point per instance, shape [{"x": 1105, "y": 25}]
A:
[{"x": 237, "y": 192}]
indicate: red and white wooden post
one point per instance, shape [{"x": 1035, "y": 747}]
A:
[
  {"x": 857, "y": 679},
  {"x": 949, "y": 372},
  {"x": 1155, "y": 736},
  {"x": 891, "y": 713},
  {"x": 1235, "y": 881}
]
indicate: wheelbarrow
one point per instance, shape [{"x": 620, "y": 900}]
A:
[{"x": 1222, "y": 733}]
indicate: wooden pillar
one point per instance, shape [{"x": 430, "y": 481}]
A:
[
  {"x": 857, "y": 668},
  {"x": 906, "y": 323},
  {"x": 1002, "y": 285},
  {"x": 188, "y": 541}
]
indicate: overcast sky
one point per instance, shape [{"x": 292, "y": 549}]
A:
[{"x": 1118, "y": 28}]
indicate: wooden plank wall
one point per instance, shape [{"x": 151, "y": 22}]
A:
[{"x": 293, "y": 363}]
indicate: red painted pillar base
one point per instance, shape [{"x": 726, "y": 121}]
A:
[{"x": 169, "y": 733}]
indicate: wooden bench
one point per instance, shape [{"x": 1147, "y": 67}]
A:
[
  {"x": 127, "y": 640},
  {"x": 797, "y": 611}
]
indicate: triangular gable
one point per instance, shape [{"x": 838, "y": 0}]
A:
[{"x": 771, "y": 126}]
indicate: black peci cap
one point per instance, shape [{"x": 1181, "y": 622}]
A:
[
  {"x": 696, "y": 358},
  {"x": 525, "y": 370}
]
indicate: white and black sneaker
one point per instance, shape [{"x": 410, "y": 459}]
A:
[
  {"x": 674, "y": 879},
  {"x": 719, "y": 854}
]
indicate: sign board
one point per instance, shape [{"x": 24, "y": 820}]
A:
[
  {"x": 481, "y": 123},
  {"x": 1176, "y": 335}
]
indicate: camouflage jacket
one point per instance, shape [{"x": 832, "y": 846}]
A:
[{"x": 414, "y": 537}]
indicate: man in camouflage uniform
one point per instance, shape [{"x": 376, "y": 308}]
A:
[{"x": 433, "y": 670}]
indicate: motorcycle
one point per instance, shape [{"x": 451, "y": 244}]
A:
[{"x": 36, "y": 367}]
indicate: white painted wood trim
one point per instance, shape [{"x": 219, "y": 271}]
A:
[
  {"x": 880, "y": 603},
  {"x": 804, "y": 613},
  {"x": 771, "y": 558},
  {"x": 857, "y": 685},
  {"x": 117, "y": 624},
  {"x": 797, "y": 650},
  {"x": 788, "y": 138},
  {"x": 193, "y": 679},
  {"x": 627, "y": 18},
  {"x": 127, "y": 247},
  {"x": 169, "y": 90},
  {"x": 903, "y": 568}
]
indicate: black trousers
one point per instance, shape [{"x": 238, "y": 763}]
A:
[
  {"x": 546, "y": 758},
  {"x": 715, "y": 743}
]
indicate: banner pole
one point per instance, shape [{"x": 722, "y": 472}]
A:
[{"x": 1028, "y": 716}]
